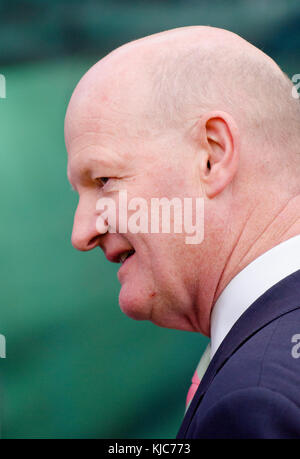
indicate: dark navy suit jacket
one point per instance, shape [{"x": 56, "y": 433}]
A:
[{"x": 251, "y": 388}]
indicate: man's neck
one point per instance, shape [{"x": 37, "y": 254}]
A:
[{"x": 253, "y": 241}]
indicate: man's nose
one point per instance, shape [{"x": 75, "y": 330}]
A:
[{"x": 85, "y": 235}]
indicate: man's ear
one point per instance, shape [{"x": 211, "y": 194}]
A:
[{"x": 217, "y": 136}]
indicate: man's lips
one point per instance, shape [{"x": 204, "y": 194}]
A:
[
  {"x": 125, "y": 264},
  {"x": 119, "y": 256},
  {"x": 126, "y": 255}
]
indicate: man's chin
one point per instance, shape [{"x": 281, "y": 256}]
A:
[{"x": 131, "y": 303}]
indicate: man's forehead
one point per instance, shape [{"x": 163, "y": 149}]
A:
[
  {"x": 119, "y": 85},
  {"x": 85, "y": 114},
  {"x": 102, "y": 117},
  {"x": 81, "y": 130}
]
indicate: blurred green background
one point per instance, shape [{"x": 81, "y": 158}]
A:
[{"x": 76, "y": 366}]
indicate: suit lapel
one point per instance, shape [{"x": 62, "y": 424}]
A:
[{"x": 278, "y": 300}]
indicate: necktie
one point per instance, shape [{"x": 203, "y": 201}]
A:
[{"x": 198, "y": 375}]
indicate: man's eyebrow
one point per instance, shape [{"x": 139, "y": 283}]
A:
[{"x": 86, "y": 167}]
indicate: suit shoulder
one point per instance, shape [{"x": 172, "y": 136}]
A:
[
  {"x": 269, "y": 358},
  {"x": 254, "y": 412},
  {"x": 280, "y": 365}
]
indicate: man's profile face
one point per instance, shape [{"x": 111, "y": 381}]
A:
[{"x": 111, "y": 149}]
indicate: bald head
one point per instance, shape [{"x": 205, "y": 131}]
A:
[{"x": 162, "y": 81}]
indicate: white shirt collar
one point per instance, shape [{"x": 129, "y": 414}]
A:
[{"x": 249, "y": 284}]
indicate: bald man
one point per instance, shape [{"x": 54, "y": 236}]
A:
[{"x": 199, "y": 112}]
